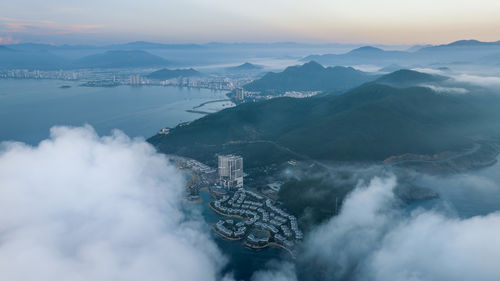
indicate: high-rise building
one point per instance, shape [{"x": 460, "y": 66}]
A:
[
  {"x": 231, "y": 171},
  {"x": 240, "y": 94},
  {"x": 135, "y": 80}
]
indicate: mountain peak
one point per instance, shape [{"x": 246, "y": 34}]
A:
[
  {"x": 471, "y": 42},
  {"x": 366, "y": 49},
  {"x": 310, "y": 76},
  {"x": 312, "y": 65},
  {"x": 407, "y": 76},
  {"x": 465, "y": 43},
  {"x": 247, "y": 66}
]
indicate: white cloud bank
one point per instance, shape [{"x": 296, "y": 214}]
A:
[
  {"x": 484, "y": 81},
  {"x": 467, "y": 78},
  {"x": 446, "y": 90},
  {"x": 83, "y": 207},
  {"x": 371, "y": 239},
  {"x": 80, "y": 207}
]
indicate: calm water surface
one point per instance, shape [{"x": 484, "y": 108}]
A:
[
  {"x": 242, "y": 260},
  {"x": 28, "y": 108}
]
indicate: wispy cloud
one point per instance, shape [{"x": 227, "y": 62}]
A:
[
  {"x": 43, "y": 27},
  {"x": 8, "y": 40},
  {"x": 485, "y": 81},
  {"x": 446, "y": 90}
]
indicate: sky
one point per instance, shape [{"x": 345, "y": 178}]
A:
[{"x": 200, "y": 21}]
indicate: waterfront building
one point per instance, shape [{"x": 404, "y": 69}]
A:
[
  {"x": 240, "y": 94},
  {"x": 231, "y": 172},
  {"x": 135, "y": 80}
]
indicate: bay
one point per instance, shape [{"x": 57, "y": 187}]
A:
[{"x": 29, "y": 108}]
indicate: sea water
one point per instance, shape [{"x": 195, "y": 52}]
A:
[{"x": 29, "y": 108}]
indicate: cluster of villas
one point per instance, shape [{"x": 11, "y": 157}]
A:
[
  {"x": 229, "y": 229},
  {"x": 257, "y": 214},
  {"x": 257, "y": 240}
]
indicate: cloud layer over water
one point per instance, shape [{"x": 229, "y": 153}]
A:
[
  {"x": 83, "y": 207},
  {"x": 374, "y": 239}
]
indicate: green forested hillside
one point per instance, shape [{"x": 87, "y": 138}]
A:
[
  {"x": 369, "y": 123},
  {"x": 309, "y": 77}
]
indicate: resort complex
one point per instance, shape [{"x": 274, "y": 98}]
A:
[{"x": 260, "y": 223}]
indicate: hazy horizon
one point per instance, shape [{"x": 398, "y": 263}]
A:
[
  {"x": 387, "y": 22},
  {"x": 5, "y": 41}
]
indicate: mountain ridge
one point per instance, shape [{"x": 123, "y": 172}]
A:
[
  {"x": 120, "y": 59},
  {"x": 310, "y": 76},
  {"x": 369, "y": 123}
]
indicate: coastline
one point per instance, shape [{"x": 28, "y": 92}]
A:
[
  {"x": 273, "y": 244},
  {"x": 222, "y": 214},
  {"x": 269, "y": 244},
  {"x": 224, "y": 236},
  {"x": 198, "y": 111},
  {"x": 255, "y": 247},
  {"x": 194, "y": 109},
  {"x": 209, "y": 102}
]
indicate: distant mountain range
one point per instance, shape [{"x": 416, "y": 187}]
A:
[
  {"x": 311, "y": 76},
  {"x": 468, "y": 43},
  {"x": 369, "y": 123},
  {"x": 36, "y": 58},
  {"x": 164, "y": 74},
  {"x": 46, "y": 56},
  {"x": 363, "y": 55},
  {"x": 11, "y": 58},
  {"x": 463, "y": 51},
  {"x": 120, "y": 59},
  {"x": 142, "y": 45}
]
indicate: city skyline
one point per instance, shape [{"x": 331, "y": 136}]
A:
[{"x": 195, "y": 21}]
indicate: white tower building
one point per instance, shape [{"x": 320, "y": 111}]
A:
[{"x": 231, "y": 171}]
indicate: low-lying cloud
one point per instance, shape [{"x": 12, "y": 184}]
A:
[
  {"x": 462, "y": 78},
  {"x": 431, "y": 246},
  {"x": 83, "y": 207},
  {"x": 284, "y": 271},
  {"x": 447, "y": 90},
  {"x": 345, "y": 240},
  {"x": 484, "y": 81},
  {"x": 374, "y": 239}
]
